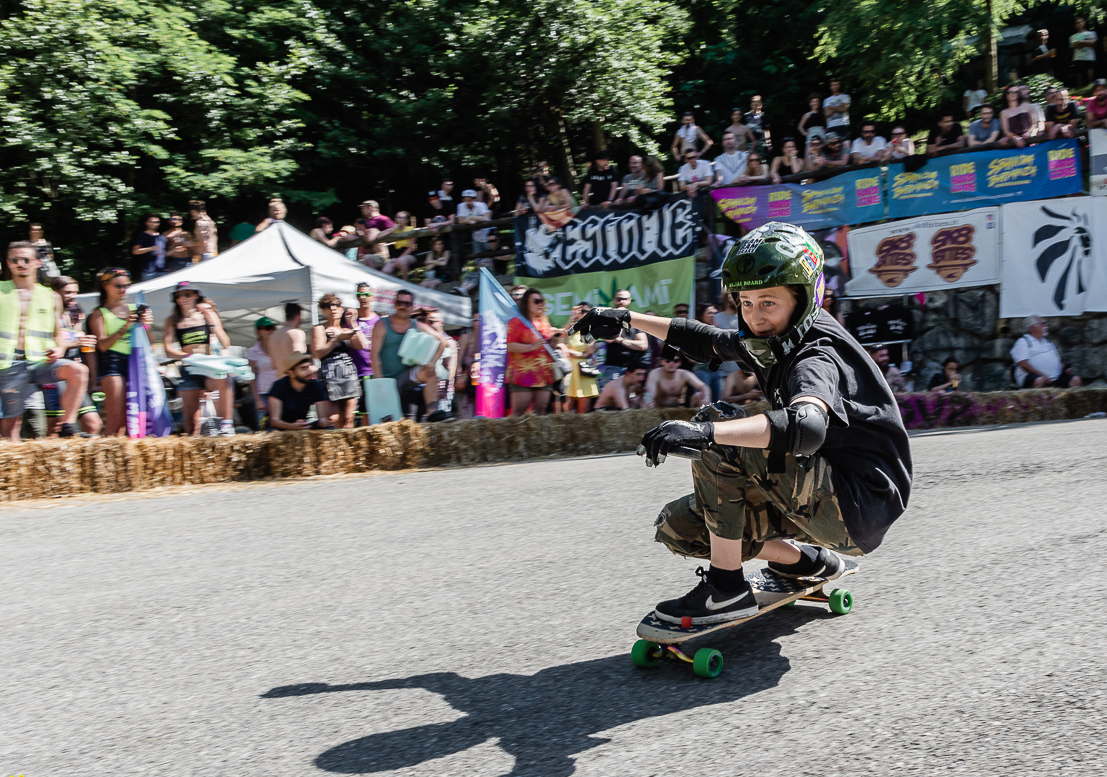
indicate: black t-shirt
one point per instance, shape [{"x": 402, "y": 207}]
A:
[
  {"x": 866, "y": 444},
  {"x": 1062, "y": 115},
  {"x": 149, "y": 260},
  {"x": 621, "y": 356},
  {"x": 601, "y": 181},
  {"x": 296, "y": 404},
  {"x": 430, "y": 212},
  {"x": 1044, "y": 66},
  {"x": 939, "y": 138}
]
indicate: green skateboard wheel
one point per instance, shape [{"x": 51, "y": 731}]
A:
[
  {"x": 707, "y": 663},
  {"x": 841, "y": 601},
  {"x": 645, "y": 654}
]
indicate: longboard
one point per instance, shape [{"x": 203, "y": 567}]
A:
[{"x": 660, "y": 640}]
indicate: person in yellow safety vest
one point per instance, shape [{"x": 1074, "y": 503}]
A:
[{"x": 30, "y": 329}]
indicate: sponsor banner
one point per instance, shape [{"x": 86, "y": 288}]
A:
[
  {"x": 1097, "y": 139},
  {"x": 931, "y": 253},
  {"x": 850, "y": 198},
  {"x": 657, "y": 287},
  {"x": 1054, "y": 257},
  {"x": 611, "y": 241},
  {"x": 963, "y": 181}
]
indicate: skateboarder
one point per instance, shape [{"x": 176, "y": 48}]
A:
[{"x": 826, "y": 471}]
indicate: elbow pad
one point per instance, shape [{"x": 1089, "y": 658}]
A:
[
  {"x": 694, "y": 339},
  {"x": 797, "y": 429}
]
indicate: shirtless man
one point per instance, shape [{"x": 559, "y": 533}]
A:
[
  {"x": 616, "y": 395},
  {"x": 669, "y": 383},
  {"x": 205, "y": 236},
  {"x": 289, "y": 339},
  {"x": 741, "y": 387}
]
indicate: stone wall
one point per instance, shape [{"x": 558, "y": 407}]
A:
[{"x": 965, "y": 324}]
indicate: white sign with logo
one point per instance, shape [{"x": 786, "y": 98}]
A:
[
  {"x": 928, "y": 253},
  {"x": 1054, "y": 257},
  {"x": 1097, "y": 161}
]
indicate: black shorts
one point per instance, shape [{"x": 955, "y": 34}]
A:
[
  {"x": 1064, "y": 380},
  {"x": 191, "y": 381},
  {"x": 109, "y": 363}
]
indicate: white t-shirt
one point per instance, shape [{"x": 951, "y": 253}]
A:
[
  {"x": 730, "y": 166},
  {"x": 836, "y": 119},
  {"x": 479, "y": 209},
  {"x": 1041, "y": 354},
  {"x": 266, "y": 376},
  {"x": 868, "y": 149},
  {"x": 976, "y": 98},
  {"x": 703, "y": 172},
  {"x": 1085, "y": 53}
]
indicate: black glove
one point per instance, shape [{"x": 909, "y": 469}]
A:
[
  {"x": 602, "y": 324},
  {"x": 672, "y": 435}
]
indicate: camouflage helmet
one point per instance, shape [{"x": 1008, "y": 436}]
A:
[{"x": 777, "y": 254}]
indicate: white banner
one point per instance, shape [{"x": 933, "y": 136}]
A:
[
  {"x": 1097, "y": 162},
  {"x": 1054, "y": 257},
  {"x": 928, "y": 253}
]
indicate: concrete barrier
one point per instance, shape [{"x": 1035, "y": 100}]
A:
[{"x": 58, "y": 468}]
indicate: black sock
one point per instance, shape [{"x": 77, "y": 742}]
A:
[{"x": 726, "y": 579}]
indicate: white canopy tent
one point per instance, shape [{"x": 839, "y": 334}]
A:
[{"x": 256, "y": 277}]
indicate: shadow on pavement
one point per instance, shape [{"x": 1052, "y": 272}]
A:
[{"x": 544, "y": 719}]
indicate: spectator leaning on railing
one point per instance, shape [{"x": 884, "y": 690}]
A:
[
  {"x": 1062, "y": 117},
  {"x": 870, "y": 147},
  {"x": 1095, "y": 107},
  {"x": 788, "y": 163},
  {"x": 901, "y": 146},
  {"x": 947, "y": 136},
  {"x": 601, "y": 183},
  {"x": 1019, "y": 119},
  {"x": 694, "y": 173},
  {"x": 986, "y": 129}
]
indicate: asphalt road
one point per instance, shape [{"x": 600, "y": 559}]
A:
[{"x": 478, "y": 622}]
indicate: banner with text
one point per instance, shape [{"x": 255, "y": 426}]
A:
[
  {"x": 850, "y": 198},
  {"x": 613, "y": 241},
  {"x": 963, "y": 181},
  {"x": 656, "y": 287},
  {"x": 1097, "y": 161},
  {"x": 931, "y": 253},
  {"x": 1054, "y": 258}
]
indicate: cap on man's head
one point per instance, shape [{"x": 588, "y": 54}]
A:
[
  {"x": 469, "y": 193},
  {"x": 433, "y": 195},
  {"x": 831, "y": 137},
  {"x": 294, "y": 360},
  {"x": 1099, "y": 82},
  {"x": 265, "y": 321}
]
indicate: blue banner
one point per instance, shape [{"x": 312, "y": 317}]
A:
[
  {"x": 851, "y": 198},
  {"x": 973, "y": 180},
  {"x": 147, "y": 406}
]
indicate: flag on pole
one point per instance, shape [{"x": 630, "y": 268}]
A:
[
  {"x": 147, "y": 408},
  {"x": 497, "y": 308}
]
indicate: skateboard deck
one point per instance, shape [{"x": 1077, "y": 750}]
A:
[{"x": 660, "y": 639}]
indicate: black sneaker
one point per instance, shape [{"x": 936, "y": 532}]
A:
[
  {"x": 67, "y": 430},
  {"x": 439, "y": 415},
  {"x": 827, "y": 565},
  {"x": 706, "y": 604}
]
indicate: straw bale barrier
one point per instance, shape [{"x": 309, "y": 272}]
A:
[{"x": 58, "y": 468}]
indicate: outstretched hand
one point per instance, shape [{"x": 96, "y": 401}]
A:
[
  {"x": 672, "y": 436},
  {"x": 602, "y": 324}
]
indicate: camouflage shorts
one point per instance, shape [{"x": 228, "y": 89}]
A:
[{"x": 735, "y": 497}]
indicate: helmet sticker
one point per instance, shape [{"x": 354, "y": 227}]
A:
[{"x": 749, "y": 244}]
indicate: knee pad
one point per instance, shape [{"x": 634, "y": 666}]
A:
[{"x": 797, "y": 429}]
